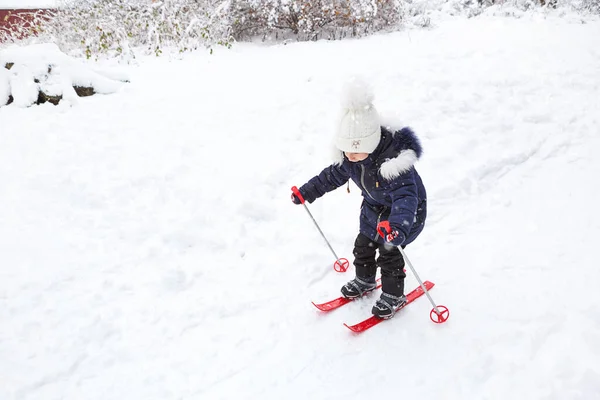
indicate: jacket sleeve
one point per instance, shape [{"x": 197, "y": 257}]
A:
[
  {"x": 403, "y": 191},
  {"x": 329, "y": 179}
]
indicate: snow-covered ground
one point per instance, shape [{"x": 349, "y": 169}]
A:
[{"x": 149, "y": 250}]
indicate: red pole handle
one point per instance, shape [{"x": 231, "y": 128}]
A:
[
  {"x": 298, "y": 194},
  {"x": 383, "y": 228}
]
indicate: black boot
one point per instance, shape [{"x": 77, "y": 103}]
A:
[
  {"x": 387, "y": 305},
  {"x": 358, "y": 287},
  {"x": 392, "y": 281}
]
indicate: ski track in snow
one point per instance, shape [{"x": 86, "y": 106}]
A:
[{"x": 149, "y": 250}]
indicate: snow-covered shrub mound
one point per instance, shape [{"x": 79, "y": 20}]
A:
[{"x": 42, "y": 73}]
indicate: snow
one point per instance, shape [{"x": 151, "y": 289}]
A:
[
  {"x": 44, "y": 67},
  {"x": 149, "y": 250},
  {"x": 4, "y": 85}
]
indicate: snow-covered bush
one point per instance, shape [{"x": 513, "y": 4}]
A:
[
  {"x": 591, "y": 6},
  {"x": 120, "y": 27},
  {"x": 311, "y": 19},
  {"x": 42, "y": 73}
]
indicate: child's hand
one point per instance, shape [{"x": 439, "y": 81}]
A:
[
  {"x": 390, "y": 233},
  {"x": 295, "y": 199},
  {"x": 395, "y": 237}
]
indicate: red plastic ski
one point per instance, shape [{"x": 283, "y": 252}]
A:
[
  {"x": 340, "y": 301},
  {"x": 372, "y": 321}
]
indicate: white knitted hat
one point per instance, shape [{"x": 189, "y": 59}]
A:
[{"x": 359, "y": 128}]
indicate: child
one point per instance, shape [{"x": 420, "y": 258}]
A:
[{"x": 381, "y": 163}]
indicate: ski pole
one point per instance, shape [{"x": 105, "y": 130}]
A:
[
  {"x": 439, "y": 315},
  {"x": 435, "y": 315},
  {"x": 341, "y": 264}
]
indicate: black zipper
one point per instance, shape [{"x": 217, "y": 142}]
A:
[{"x": 362, "y": 181}]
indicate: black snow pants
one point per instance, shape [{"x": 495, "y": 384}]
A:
[{"x": 390, "y": 261}]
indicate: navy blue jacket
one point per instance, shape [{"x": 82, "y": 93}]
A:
[{"x": 392, "y": 189}]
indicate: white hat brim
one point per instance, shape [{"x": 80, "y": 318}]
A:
[{"x": 359, "y": 145}]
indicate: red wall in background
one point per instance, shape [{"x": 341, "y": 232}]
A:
[{"x": 10, "y": 20}]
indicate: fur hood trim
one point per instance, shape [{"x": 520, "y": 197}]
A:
[{"x": 409, "y": 150}]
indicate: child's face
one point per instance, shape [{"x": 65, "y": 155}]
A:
[{"x": 356, "y": 157}]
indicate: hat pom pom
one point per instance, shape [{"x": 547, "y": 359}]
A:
[{"x": 357, "y": 94}]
